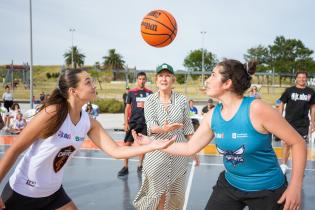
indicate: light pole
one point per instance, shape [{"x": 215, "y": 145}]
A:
[
  {"x": 203, "y": 33},
  {"x": 31, "y": 57},
  {"x": 72, "y": 30}
]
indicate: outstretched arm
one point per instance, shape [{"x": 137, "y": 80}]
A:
[
  {"x": 201, "y": 138},
  {"x": 102, "y": 140}
]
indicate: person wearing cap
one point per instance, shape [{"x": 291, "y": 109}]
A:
[
  {"x": 209, "y": 106},
  {"x": 242, "y": 127},
  {"x": 167, "y": 114}
]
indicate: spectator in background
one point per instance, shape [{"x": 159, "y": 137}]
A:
[
  {"x": 7, "y": 98},
  {"x": 42, "y": 97},
  {"x": 192, "y": 112},
  {"x": 300, "y": 102},
  {"x": 134, "y": 117},
  {"x": 124, "y": 97},
  {"x": 253, "y": 92},
  {"x": 18, "y": 124},
  {"x": 91, "y": 111},
  {"x": 192, "y": 108},
  {"x": 15, "y": 109},
  {"x": 209, "y": 106}
]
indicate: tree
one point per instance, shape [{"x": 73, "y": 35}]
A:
[
  {"x": 78, "y": 58},
  {"x": 114, "y": 61},
  {"x": 193, "y": 61},
  {"x": 261, "y": 55},
  {"x": 97, "y": 76},
  {"x": 180, "y": 78},
  {"x": 290, "y": 55}
]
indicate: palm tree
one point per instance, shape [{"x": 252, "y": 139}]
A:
[
  {"x": 114, "y": 61},
  {"x": 78, "y": 58}
]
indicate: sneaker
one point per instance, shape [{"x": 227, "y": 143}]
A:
[
  {"x": 123, "y": 172},
  {"x": 284, "y": 168},
  {"x": 139, "y": 169}
]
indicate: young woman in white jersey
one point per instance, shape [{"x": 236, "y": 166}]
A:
[
  {"x": 242, "y": 127},
  {"x": 52, "y": 137}
]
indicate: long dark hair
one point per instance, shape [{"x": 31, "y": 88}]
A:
[
  {"x": 58, "y": 97},
  {"x": 239, "y": 73}
]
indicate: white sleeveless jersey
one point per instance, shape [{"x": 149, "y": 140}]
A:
[{"x": 39, "y": 173}]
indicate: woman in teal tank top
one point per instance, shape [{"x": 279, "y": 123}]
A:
[{"x": 242, "y": 129}]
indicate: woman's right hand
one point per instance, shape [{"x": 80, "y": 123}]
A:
[
  {"x": 1, "y": 204},
  {"x": 163, "y": 144}
]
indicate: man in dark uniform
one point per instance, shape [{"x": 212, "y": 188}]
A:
[
  {"x": 299, "y": 100},
  {"x": 134, "y": 117}
]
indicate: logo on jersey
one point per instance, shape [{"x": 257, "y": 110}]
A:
[
  {"x": 300, "y": 97},
  {"x": 219, "y": 135},
  {"x": 239, "y": 135},
  {"x": 61, "y": 134},
  {"x": 62, "y": 157},
  {"x": 78, "y": 138},
  {"x": 234, "y": 157},
  {"x": 30, "y": 183}
]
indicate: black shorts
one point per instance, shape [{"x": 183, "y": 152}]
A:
[
  {"x": 7, "y": 105},
  {"x": 139, "y": 128},
  {"x": 15, "y": 201},
  {"x": 227, "y": 197},
  {"x": 303, "y": 131}
]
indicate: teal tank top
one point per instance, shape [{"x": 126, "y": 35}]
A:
[{"x": 248, "y": 156}]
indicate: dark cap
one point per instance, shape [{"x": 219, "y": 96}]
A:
[
  {"x": 164, "y": 66},
  {"x": 210, "y": 101}
]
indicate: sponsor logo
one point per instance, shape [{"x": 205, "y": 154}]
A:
[
  {"x": 239, "y": 135},
  {"x": 149, "y": 26},
  {"x": 234, "y": 157},
  {"x": 78, "y": 138},
  {"x": 300, "y": 97},
  {"x": 219, "y": 135},
  {"x": 61, "y": 134},
  {"x": 30, "y": 183},
  {"x": 62, "y": 157}
]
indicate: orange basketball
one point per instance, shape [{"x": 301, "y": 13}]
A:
[{"x": 158, "y": 28}]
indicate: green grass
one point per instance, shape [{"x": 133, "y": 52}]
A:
[{"x": 192, "y": 89}]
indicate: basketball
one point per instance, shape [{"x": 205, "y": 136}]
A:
[{"x": 158, "y": 28}]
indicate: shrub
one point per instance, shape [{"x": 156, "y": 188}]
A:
[
  {"x": 110, "y": 105},
  {"x": 180, "y": 78},
  {"x": 48, "y": 75}
]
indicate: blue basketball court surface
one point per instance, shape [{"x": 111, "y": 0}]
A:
[{"x": 91, "y": 180}]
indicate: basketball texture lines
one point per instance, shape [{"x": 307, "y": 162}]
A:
[{"x": 158, "y": 28}]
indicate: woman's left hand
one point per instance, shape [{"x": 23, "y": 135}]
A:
[
  {"x": 291, "y": 198},
  {"x": 140, "y": 138},
  {"x": 196, "y": 159}
]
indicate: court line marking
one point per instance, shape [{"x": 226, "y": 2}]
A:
[
  {"x": 201, "y": 164},
  {"x": 189, "y": 183}
]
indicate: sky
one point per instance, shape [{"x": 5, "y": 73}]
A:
[{"x": 232, "y": 27}]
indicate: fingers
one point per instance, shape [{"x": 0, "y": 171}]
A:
[
  {"x": 134, "y": 134},
  {"x": 281, "y": 200}
]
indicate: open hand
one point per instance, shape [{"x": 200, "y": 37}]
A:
[
  {"x": 292, "y": 199},
  {"x": 163, "y": 144},
  {"x": 140, "y": 138},
  {"x": 170, "y": 127}
]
